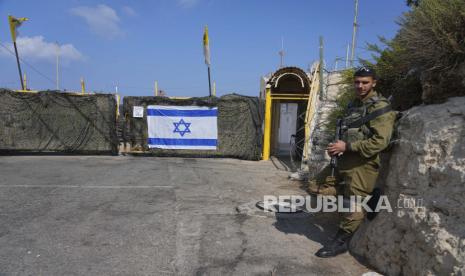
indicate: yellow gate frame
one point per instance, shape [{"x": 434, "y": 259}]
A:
[{"x": 310, "y": 113}]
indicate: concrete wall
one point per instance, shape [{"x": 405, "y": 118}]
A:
[{"x": 321, "y": 135}]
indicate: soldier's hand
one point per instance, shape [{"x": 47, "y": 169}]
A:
[{"x": 337, "y": 148}]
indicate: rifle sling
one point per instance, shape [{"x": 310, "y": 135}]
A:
[{"x": 373, "y": 115}]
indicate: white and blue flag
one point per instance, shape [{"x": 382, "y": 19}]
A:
[{"x": 182, "y": 127}]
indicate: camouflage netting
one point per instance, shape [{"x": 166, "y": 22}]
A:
[
  {"x": 57, "y": 122},
  {"x": 239, "y": 126}
]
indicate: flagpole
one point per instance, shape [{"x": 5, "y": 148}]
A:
[
  {"x": 14, "y": 23},
  {"x": 57, "y": 65},
  {"x": 19, "y": 65},
  {"x": 206, "y": 51},
  {"x": 209, "y": 82}
]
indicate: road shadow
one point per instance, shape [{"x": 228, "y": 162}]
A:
[
  {"x": 318, "y": 227},
  {"x": 284, "y": 163}
]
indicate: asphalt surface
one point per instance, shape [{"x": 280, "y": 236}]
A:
[{"x": 122, "y": 215}]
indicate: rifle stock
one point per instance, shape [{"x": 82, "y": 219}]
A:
[{"x": 337, "y": 136}]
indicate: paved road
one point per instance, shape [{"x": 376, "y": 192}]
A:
[{"x": 121, "y": 215}]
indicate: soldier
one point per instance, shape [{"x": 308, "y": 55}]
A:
[{"x": 367, "y": 130}]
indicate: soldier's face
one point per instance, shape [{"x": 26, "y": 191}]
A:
[{"x": 363, "y": 86}]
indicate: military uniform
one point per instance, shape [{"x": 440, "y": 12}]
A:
[{"x": 357, "y": 168}]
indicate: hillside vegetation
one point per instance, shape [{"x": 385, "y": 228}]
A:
[{"x": 425, "y": 62}]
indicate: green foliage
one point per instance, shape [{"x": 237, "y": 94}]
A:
[
  {"x": 411, "y": 3},
  {"x": 347, "y": 95},
  {"x": 425, "y": 61},
  {"x": 434, "y": 34},
  {"x": 396, "y": 77}
]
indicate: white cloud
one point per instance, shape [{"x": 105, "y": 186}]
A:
[
  {"x": 187, "y": 3},
  {"x": 129, "y": 11},
  {"x": 36, "y": 48},
  {"x": 101, "y": 19}
]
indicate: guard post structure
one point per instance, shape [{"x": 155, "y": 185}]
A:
[{"x": 289, "y": 85}]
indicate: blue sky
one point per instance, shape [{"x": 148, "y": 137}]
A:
[{"x": 133, "y": 43}]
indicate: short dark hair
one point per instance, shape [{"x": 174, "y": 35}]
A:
[{"x": 365, "y": 71}]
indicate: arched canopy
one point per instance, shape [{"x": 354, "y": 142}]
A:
[{"x": 290, "y": 80}]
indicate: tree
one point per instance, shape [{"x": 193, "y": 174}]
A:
[{"x": 411, "y": 3}]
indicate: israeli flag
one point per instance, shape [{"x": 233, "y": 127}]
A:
[{"x": 182, "y": 127}]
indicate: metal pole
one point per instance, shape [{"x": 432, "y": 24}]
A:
[
  {"x": 322, "y": 95},
  {"x": 25, "y": 81},
  {"x": 156, "y": 88},
  {"x": 209, "y": 82},
  {"x": 58, "y": 60},
  {"x": 83, "y": 86},
  {"x": 354, "y": 34},
  {"x": 281, "y": 53},
  {"x": 19, "y": 66},
  {"x": 347, "y": 55},
  {"x": 214, "y": 89}
]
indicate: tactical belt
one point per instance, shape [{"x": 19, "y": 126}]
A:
[{"x": 375, "y": 114}]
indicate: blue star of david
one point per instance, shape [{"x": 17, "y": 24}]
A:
[{"x": 186, "y": 127}]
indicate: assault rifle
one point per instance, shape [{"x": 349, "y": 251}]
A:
[{"x": 337, "y": 136}]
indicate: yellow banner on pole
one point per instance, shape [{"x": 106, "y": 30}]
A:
[
  {"x": 206, "y": 46},
  {"x": 14, "y": 24}
]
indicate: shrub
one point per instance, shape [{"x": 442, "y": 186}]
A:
[{"x": 425, "y": 62}]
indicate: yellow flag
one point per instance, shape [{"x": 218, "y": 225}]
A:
[
  {"x": 206, "y": 46},
  {"x": 14, "y": 24}
]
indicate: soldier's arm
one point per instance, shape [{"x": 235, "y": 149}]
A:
[{"x": 381, "y": 128}]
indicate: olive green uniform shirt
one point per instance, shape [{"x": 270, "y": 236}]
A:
[
  {"x": 367, "y": 150},
  {"x": 358, "y": 167}
]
